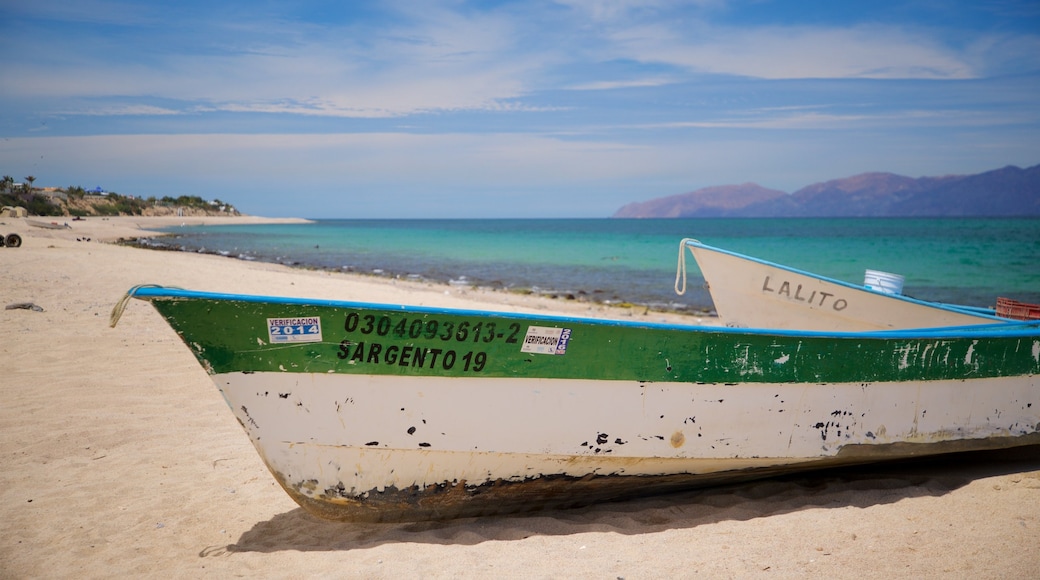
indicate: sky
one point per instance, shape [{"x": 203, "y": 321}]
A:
[{"x": 500, "y": 108}]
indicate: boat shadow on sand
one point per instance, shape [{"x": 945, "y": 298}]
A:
[{"x": 857, "y": 487}]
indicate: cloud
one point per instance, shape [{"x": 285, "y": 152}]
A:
[
  {"x": 434, "y": 60},
  {"x": 1005, "y": 53},
  {"x": 407, "y": 61},
  {"x": 853, "y": 118},
  {"x": 122, "y": 110},
  {"x": 772, "y": 52},
  {"x": 624, "y": 84},
  {"x": 620, "y": 10}
]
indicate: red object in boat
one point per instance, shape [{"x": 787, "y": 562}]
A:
[{"x": 1009, "y": 308}]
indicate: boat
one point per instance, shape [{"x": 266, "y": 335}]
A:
[
  {"x": 749, "y": 292},
  {"x": 373, "y": 412},
  {"x": 1017, "y": 310},
  {"x": 47, "y": 225}
]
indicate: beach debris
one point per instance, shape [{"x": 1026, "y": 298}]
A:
[
  {"x": 10, "y": 240},
  {"x": 24, "y": 306}
]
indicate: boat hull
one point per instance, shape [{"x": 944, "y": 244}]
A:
[
  {"x": 392, "y": 448},
  {"x": 385, "y": 413},
  {"x": 748, "y": 292}
]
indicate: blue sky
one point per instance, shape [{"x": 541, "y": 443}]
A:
[{"x": 567, "y": 108}]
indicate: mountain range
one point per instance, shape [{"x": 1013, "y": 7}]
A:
[{"x": 1010, "y": 191}]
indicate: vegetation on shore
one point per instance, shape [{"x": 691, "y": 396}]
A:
[{"x": 75, "y": 201}]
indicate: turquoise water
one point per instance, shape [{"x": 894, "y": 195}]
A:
[{"x": 964, "y": 261}]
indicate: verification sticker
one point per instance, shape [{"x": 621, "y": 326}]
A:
[
  {"x": 545, "y": 340},
  {"x": 305, "y": 329}
]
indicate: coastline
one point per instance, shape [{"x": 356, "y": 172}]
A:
[
  {"x": 359, "y": 287},
  {"x": 114, "y": 228},
  {"x": 119, "y": 458},
  {"x": 632, "y": 261},
  {"x": 573, "y": 302}
]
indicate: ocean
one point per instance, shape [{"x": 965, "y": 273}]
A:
[{"x": 960, "y": 261}]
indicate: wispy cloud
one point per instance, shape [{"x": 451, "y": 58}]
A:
[
  {"x": 436, "y": 60},
  {"x": 619, "y": 10},
  {"x": 439, "y": 59},
  {"x": 797, "y": 52},
  {"x": 121, "y": 110},
  {"x": 625, "y": 84}
]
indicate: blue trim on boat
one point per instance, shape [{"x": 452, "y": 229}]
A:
[
  {"x": 972, "y": 310},
  {"x": 1010, "y": 328}
]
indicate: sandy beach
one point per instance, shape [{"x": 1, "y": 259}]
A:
[{"x": 119, "y": 458}]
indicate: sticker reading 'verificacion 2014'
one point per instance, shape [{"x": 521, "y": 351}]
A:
[
  {"x": 303, "y": 329},
  {"x": 545, "y": 340}
]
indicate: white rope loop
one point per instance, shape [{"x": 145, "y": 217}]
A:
[
  {"x": 680, "y": 269},
  {"x": 117, "y": 310}
]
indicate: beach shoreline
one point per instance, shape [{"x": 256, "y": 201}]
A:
[
  {"x": 115, "y": 228},
  {"x": 119, "y": 458},
  {"x": 118, "y": 231},
  {"x": 575, "y": 301}
]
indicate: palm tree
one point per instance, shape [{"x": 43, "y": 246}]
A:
[{"x": 30, "y": 179}]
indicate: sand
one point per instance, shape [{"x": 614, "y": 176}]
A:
[{"x": 119, "y": 458}]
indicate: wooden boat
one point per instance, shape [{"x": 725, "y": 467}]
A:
[
  {"x": 368, "y": 412},
  {"x": 47, "y": 225},
  {"x": 748, "y": 292}
]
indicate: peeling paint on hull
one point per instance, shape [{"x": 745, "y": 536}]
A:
[
  {"x": 458, "y": 500},
  {"x": 387, "y": 413},
  {"x": 420, "y": 448}
]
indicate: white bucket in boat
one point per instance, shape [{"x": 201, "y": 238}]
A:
[{"x": 883, "y": 282}]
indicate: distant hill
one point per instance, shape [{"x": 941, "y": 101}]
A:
[{"x": 1010, "y": 191}]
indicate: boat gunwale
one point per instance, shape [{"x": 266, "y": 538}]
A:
[{"x": 1000, "y": 328}]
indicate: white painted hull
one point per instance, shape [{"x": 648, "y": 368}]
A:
[
  {"x": 361, "y": 435},
  {"x": 750, "y": 293}
]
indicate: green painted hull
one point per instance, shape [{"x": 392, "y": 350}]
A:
[{"x": 230, "y": 334}]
